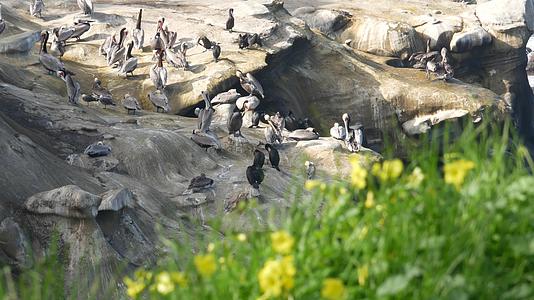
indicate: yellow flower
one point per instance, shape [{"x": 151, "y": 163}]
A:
[
  {"x": 179, "y": 278},
  {"x": 134, "y": 287},
  {"x": 222, "y": 260},
  {"x": 205, "y": 265},
  {"x": 415, "y": 179},
  {"x": 333, "y": 289},
  {"x": 164, "y": 283},
  {"x": 211, "y": 247},
  {"x": 390, "y": 170},
  {"x": 282, "y": 242},
  {"x": 276, "y": 277},
  {"x": 358, "y": 174},
  {"x": 370, "y": 200},
  {"x": 456, "y": 171},
  {"x": 363, "y": 273},
  {"x": 241, "y": 237},
  {"x": 310, "y": 185}
]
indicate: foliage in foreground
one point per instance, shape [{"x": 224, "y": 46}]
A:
[{"x": 454, "y": 223}]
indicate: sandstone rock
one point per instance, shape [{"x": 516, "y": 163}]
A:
[
  {"x": 467, "y": 40},
  {"x": 439, "y": 29},
  {"x": 97, "y": 164},
  {"x": 13, "y": 244},
  {"x": 222, "y": 114},
  {"x": 324, "y": 20},
  {"x": 116, "y": 200},
  {"x": 68, "y": 201},
  {"x": 503, "y": 15},
  {"x": 19, "y": 43},
  {"x": 382, "y": 37}
]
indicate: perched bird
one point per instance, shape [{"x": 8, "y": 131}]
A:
[
  {"x": 159, "y": 100},
  {"x": 350, "y": 142},
  {"x": 274, "y": 156},
  {"x": 271, "y": 132},
  {"x": 138, "y": 34},
  {"x": 278, "y": 121},
  {"x": 230, "y": 22},
  {"x": 157, "y": 43},
  {"x": 73, "y": 87},
  {"x": 256, "y": 117},
  {"x": 2, "y": 22},
  {"x": 108, "y": 43},
  {"x": 86, "y": 6},
  {"x": 255, "y": 176},
  {"x": 259, "y": 159},
  {"x": 204, "y": 42},
  {"x": 102, "y": 94},
  {"x": 80, "y": 27},
  {"x": 304, "y": 134},
  {"x": 36, "y": 8},
  {"x": 200, "y": 183},
  {"x": 118, "y": 51},
  {"x": 63, "y": 33},
  {"x": 57, "y": 47},
  {"x": 291, "y": 122},
  {"x": 98, "y": 149},
  {"x": 216, "y": 51},
  {"x": 168, "y": 37},
  {"x": 130, "y": 62},
  {"x": 234, "y": 123},
  {"x": 248, "y": 40},
  {"x": 310, "y": 169},
  {"x": 130, "y": 103},
  {"x": 227, "y": 97},
  {"x": 158, "y": 73},
  {"x": 337, "y": 132},
  {"x": 250, "y": 102},
  {"x": 89, "y": 98},
  {"x": 49, "y": 62},
  {"x": 250, "y": 84},
  {"x": 177, "y": 59}
]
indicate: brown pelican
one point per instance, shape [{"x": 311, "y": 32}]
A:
[
  {"x": 80, "y": 27},
  {"x": 234, "y": 123},
  {"x": 63, "y": 33},
  {"x": 89, "y": 98},
  {"x": 444, "y": 64},
  {"x": 304, "y": 134},
  {"x": 230, "y": 21},
  {"x": 250, "y": 84},
  {"x": 159, "y": 100},
  {"x": 117, "y": 53},
  {"x": 2, "y": 22},
  {"x": 168, "y": 37},
  {"x": 338, "y": 132},
  {"x": 255, "y": 176},
  {"x": 130, "y": 62},
  {"x": 177, "y": 59},
  {"x": 108, "y": 43},
  {"x": 73, "y": 87},
  {"x": 248, "y": 40},
  {"x": 57, "y": 47},
  {"x": 138, "y": 34},
  {"x": 228, "y": 97},
  {"x": 102, "y": 94},
  {"x": 271, "y": 132},
  {"x": 130, "y": 103},
  {"x": 86, "y": 6},
  {"x": 200, "y": 183},
  {"x": 216, "y": 51},
  {"x": 98, "y": 149},
  {"x": 274, "y": 156},
  {"x": 36, "y": 8},
  {"x": 158, "y": 73},
  {"x": 310, "y": 169},
  {"x": 202, "y": 135},
  {"x": 350, "y": 142},
  {"x": 278, "y": 121},
  {"x": 49, "y": 62},
  {"x": 259, "y": 159},
  {"x": 204, "y": 42}
]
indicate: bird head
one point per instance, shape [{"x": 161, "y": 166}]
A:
[
  {"x": 100, "y": 143},
  {"x": 197, "y": 111},
  {"x": 239, "y": 74},
  {"x": 346, "y": 118},
  {"x": 267, "y": 117}
]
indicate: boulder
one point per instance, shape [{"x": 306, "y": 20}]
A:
[
  {"x": 466, "y": 40},
  {"x": 325, "y": 20},
  {"x": 19, "y": 43},
  {"x": 116, "y": 200},
  {"x": 97, "y": 164},
  {"x": 68, "y": 201},
  {"x": 13, "y": 244},
  {"x": 439, "y": 29}
]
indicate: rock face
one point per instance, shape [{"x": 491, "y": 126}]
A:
[
  {"x": 324, "y": 20},
  {"x": 19, "y": 43},
  {"x": 68, "y": 201},
  {"x": 14, "y": 245}
]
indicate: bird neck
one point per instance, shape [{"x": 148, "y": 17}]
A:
[
  {"x": 160, "y": 60},
  {"x": 129, "y": 52},
  {"x": 45, "y": 41},
  {"x": 138, "y": 25}
]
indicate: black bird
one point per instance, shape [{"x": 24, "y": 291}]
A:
[
  {"x": 291, "y": 122},
  {"x": 200, "y": 183},
  {"x": 230, "y": 21},
  {"x": 216, "y": 50},
  {"x": 234, "y": 123},
  {"x": 256, "y": 118},
  {"x": 274, "y": 156},
  {"x": 206, "y": 43},
  {"x": 259, "y": 159},
  {"x": 255, "y": 176},
  {"x": 248, "y": 40}
]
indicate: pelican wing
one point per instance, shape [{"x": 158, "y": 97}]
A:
[
  {"x": 155, "y": 77},
  {"x": 206, "y": 119},
  {"x": 80, "y": 29},
  {"x": 50, "y": 62},
  {"x": 256, "y": 84},
  {"x": 138, "y": 37},
  {"x": 65, "y": 33},
  {"x": 117, "y": 56},
  {"x": 129, "y": 66},
  {"x": 163, "y": 76}
]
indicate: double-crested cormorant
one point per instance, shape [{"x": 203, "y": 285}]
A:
[
  {"x": 259, "y": 159},
  {"x": 291, "y": 122},
  {"x": 216, "y": 51},
  {"x": 130, "y": 103},
  {"x": 138, "y": 34},
  {"x": 73, "y": 87},
  {"x": 234, "y": 123},
  {"x": 248, "y": 40},
  {"x": 230, "y": 21},
  {"x": 255, "y": 176},
  {"x": 204, "y": 42},
  {"x": 257, "y": 116},
  {"x": 200, "y": 183},
  {"x": 274, "y": 156}
]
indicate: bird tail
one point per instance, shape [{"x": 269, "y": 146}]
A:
[{"x": 277, "y": 168}]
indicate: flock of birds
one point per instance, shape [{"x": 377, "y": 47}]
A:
[
  {"x": 434, "y": 62},
  {"x": 118, "y": 54}
]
